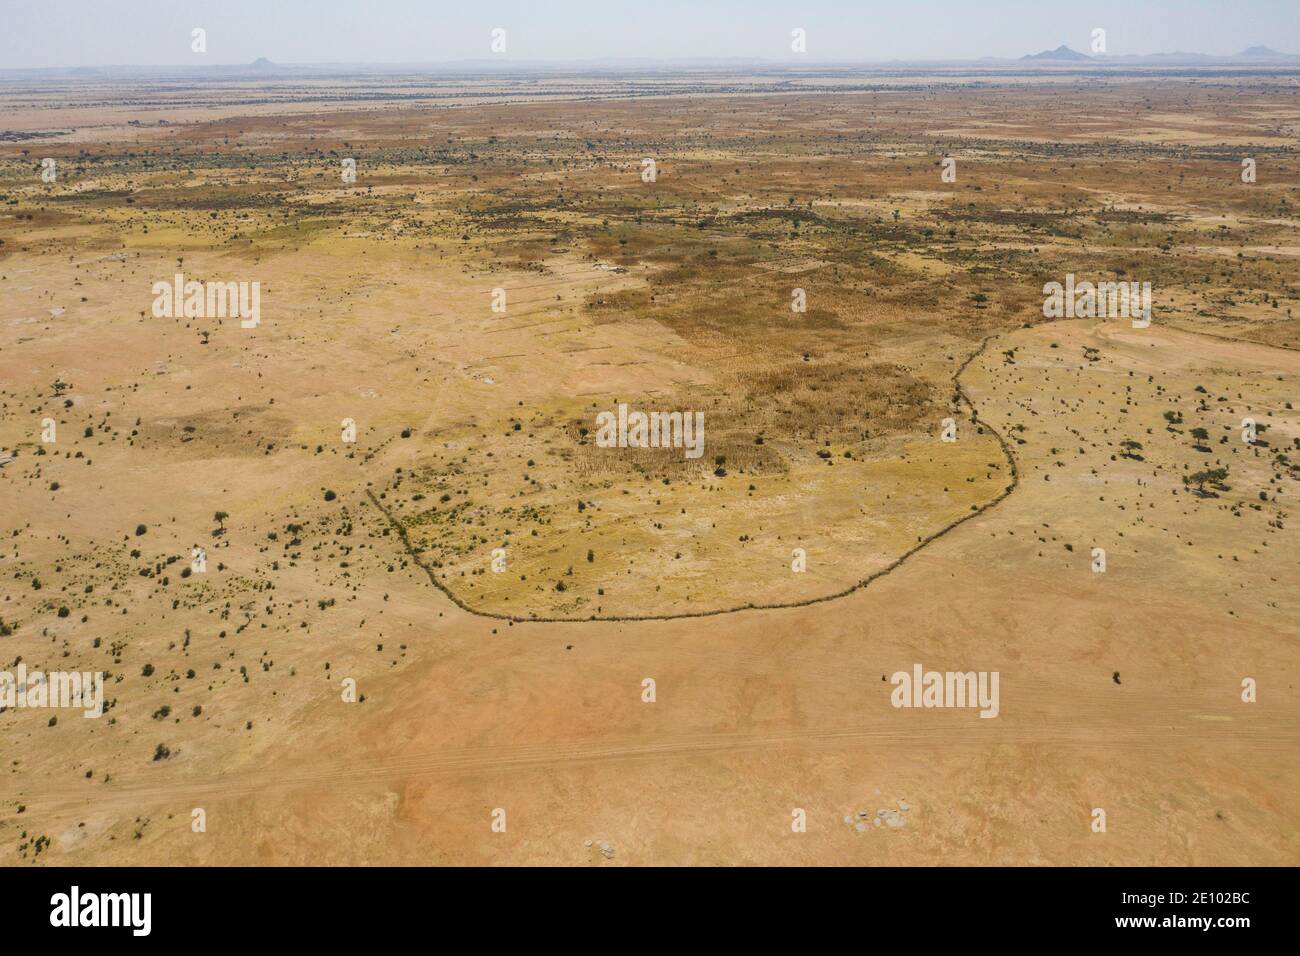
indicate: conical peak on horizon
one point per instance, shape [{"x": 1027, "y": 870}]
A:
[{"x": 1062, "y": 52}]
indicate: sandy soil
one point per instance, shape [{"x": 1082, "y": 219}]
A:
[{"x": 333, "y": 561}]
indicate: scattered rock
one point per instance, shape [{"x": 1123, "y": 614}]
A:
[
  {"x": 883, "y": 817},
  {"x": 890, "y": 818}
]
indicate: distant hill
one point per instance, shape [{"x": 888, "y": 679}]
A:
[
  {"x": 1062, "y": 52},
  {"x": 1255, "y": 55},
  {"x": 1263, "y": 52}
]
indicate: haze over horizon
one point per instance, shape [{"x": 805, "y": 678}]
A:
[{"x": 157, "y": 33}]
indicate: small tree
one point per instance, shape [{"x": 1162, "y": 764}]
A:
[{"x": 1214, "y": 477}]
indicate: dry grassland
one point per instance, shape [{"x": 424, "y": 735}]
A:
[{"x": 476, "y": 431}]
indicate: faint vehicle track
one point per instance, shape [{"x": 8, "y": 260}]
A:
[{"x": 476, "y": 761}]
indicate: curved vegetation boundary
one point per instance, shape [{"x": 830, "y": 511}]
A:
[{"x": 963, "y": 399}]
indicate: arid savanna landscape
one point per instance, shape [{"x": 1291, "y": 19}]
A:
[{"x": 367, "y": 584}]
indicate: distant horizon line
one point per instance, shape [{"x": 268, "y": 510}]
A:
[{"x": 503, "y": 62}]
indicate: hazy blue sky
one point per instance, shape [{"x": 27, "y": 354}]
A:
[{"x": 37, "y": 33}]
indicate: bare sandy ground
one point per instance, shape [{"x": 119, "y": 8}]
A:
[
  {"x": 1120, "y": 691},
  {"x": 759, "y": 713}
]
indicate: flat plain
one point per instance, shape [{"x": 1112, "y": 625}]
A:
[{"x": 498, "y": 274}]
